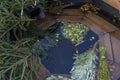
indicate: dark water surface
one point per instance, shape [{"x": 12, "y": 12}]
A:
[{"x": 60, "y": 58}]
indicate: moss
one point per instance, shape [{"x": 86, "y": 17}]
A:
[
  {"x": 84, "y": 67},
  {"x": 74, "y": 31},
  {"x": 103, "y": 73}
]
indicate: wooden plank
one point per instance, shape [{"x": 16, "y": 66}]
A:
[
  {"x": 74, "y": 15},
  {"x": 116, "y": 34},
  {"x": 113, "y": 3},
  {"x": 101, "y": 22},
  {"x": 112, "y": 54},
  {"x": 105, "y": 41}
]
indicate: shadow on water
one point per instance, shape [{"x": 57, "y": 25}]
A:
[{"x": 60, "y": 57}]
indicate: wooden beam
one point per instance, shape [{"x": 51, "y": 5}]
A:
[
  {"x": 113, "y": 3},
  {"x": 75, "y": 15}
]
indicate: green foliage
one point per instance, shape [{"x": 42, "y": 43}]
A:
[
  {"x": 13, "y": 18},
  {"x": 84, "y": 66},
  {"x": 75, "y": 32},
  {"x": 103, "y": 73},
  {"x": 16, "y": 59}
]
